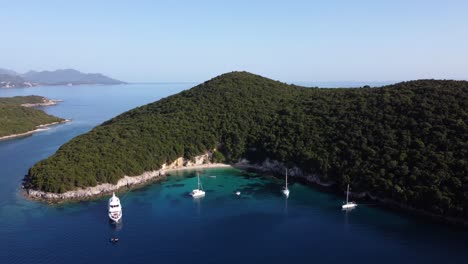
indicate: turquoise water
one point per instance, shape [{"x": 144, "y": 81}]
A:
[{"x": 163, "y": 224}]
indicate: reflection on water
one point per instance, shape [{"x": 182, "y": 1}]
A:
[
  {"x": 346, "y": 213},
  {"x": 198, "y": 204},
  {"x": 116, "y": 226},
  {"x": 286, "y": 205}
]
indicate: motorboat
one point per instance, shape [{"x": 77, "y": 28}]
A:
[{"x": 115, "y": 208}]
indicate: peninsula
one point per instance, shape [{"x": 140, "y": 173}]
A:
[
  {"x": 404, "y": 143},
  {"x": 18, "y": 117}
]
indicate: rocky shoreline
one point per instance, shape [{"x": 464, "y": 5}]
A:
[
  {"x": 45, "y": 102},
  {"x": 199, "y": 162},
  {"x": 278, "y": 168}
]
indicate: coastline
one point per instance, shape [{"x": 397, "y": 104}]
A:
[
  {"x": 38, "y": 129},
  {"x": 277, "y": 168},
  {"x": 203, "y": 162},
  {"x": 47, "y": 102},
  {"x": 199, "y": 162}
]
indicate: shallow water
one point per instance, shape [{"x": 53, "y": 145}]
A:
[{"x": 162, "y": 223}]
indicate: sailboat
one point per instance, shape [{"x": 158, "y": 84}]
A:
[
  {"x": 197, "y": 193},
  {"x": 115, "y": 208},
  {"x": 286, "y": 190},
  {"x": 348, "y": 205}
]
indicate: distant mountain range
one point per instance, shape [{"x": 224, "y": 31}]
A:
[
  {"x": 8, "y": 72},
  {"x": 12, "y": 79}
]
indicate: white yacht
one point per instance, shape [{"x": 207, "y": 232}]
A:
[
  {"x": 286, "y": 190},
  {"x": 115, "y": 209},
  {"x": 348, "y": 205},
  {"x": 197, "y": 193}
]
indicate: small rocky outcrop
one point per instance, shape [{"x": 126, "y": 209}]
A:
[{"x": 276, "y": 167}]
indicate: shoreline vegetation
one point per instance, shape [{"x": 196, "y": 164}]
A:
[
  {"x": 199, "y": 162},
  {"x": 20, "y": 116},
  {"x": 404, "y": 142},
  {"x": 39, "y": 128}
]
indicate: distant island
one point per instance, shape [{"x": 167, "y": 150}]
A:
[
  {"x": 11, "y": 79},
  {"x": 19, "y": 118},
  {"x": 14, "y": 81},
  {"x": 403, "y": 144}
]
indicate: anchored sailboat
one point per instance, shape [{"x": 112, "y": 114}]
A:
[
  {"x": 197, "y": 193},
  {"x": 348, "y": 205},
  {"x": 286, "y": 190}
]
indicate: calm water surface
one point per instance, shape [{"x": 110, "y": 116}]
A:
[{"x": 163, "y": 224}]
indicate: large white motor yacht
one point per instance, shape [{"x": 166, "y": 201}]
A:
[{"x": 115, "y": 208}]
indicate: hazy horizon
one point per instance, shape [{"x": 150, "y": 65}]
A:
[
  {"x": 297, "y": 41},
  {"x": 311, "y": 83}
]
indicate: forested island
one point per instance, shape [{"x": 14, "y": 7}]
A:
[
  {"x": 18, "y": 118},
  {"x": 406, "y": 142}
]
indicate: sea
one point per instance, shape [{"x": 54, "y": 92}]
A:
[{"x": 162, "y": 224}]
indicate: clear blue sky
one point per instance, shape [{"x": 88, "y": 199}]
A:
[{"x": 349, "y": 40}]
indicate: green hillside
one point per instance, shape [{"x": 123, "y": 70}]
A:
[
  {"x": 407, "y": 141},
  {"x": 19, "y": 100},
  {"x": 16, "y": 119}
]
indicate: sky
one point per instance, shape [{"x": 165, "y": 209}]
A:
[{"x": 191, "y": 41}]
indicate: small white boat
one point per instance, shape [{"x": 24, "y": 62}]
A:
[
  {"x": 197, "y": 193},
  {"x": 238, "y": 193},
  {"x": 115, "y": 208},
  {"x": 286, "y": 190},
  {"x": 348, "y": 205}
]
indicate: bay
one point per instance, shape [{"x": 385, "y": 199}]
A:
[{"x": 163, "y": 224}]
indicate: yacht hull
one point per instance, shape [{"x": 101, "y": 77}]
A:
[
  {"x": 348, "y": 206},
  {"x": 197, "y": 193}
]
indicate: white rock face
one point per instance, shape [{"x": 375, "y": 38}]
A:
[
  {"x": 45, "y": 102},
  {"x": 126, "y": 181}
]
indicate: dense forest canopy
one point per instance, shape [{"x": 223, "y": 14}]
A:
[
  {"x": 15, "y": 119},
  {"x": 407, "y": 142},
  {"x": 19, "y": 100}
]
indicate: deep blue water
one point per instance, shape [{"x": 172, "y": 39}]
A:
[{"x": 162, "y": 224}]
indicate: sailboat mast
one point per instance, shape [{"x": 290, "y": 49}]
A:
[
  {"x": 286, "y": 179},
  {"x": 347, "y": 194}
]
